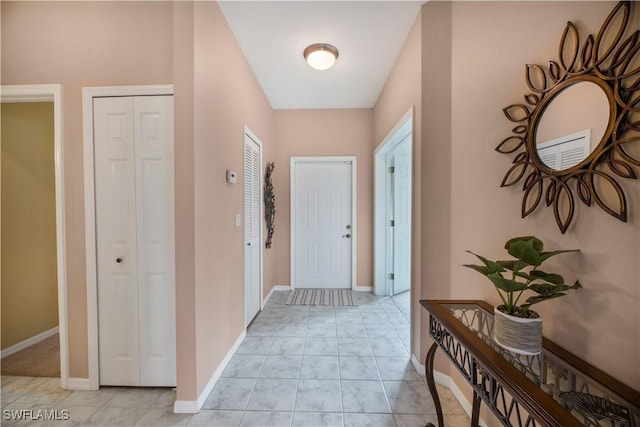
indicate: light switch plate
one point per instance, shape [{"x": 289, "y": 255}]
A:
[{"x": 238, "y": 220}]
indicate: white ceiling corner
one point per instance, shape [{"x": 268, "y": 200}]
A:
[{"x": 368, "y": 35}]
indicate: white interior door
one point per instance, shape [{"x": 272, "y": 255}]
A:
[
  {"x": 252, "y": 227},
  {"x": 401, "y": 179},
  {"x": 133, "y": 145},
  {"x": 323, "y": 229}
]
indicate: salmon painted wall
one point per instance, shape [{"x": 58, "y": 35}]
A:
[
  {"x": 324, "y": 133},
  {"x": 227, "y": 97},
  {"x": 600, "y": 323},
  {"x": 402, "y": 91},
  {"x": 79, "y": 44},
  {"x": 436, "y": 154},
  {"x": 183, "y": 80}
]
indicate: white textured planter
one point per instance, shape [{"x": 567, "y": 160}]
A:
[{"x": 517, "y": 334}]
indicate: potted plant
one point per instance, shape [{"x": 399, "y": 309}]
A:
[{"x": 516, "y": 327}]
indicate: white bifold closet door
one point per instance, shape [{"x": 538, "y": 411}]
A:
[{"x": 134, "y": 187}]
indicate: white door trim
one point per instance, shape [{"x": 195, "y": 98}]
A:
[
  {"x": 328, "y": 159},
  {"x": 400, "y": 131},
  {"x": 88, "y": 93},
  {"x": 47, "y": 93},
  {"x": 254, "y": 137}
]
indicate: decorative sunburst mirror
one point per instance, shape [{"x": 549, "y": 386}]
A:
[{"x": 578, "y": 131}]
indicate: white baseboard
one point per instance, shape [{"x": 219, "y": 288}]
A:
[
  {"x": 466, "y": 405},
  {"x": 186, "y": 407},
  {"x": 446, "y": 381},
  {"x": 274, "y": 289},
  {"x": 265, "y": 300},
  {"x": 194, "y": 406},
  {"x": 364, "y": 289},
  {"x": 419, "y": 367},
  {"x": 28, "y": 342},
  {"x": 79, "y": 384}
]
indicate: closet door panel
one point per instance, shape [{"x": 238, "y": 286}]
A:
[
  {"x": 155, "y": 224},
  {"x": 116, "y": 241}
]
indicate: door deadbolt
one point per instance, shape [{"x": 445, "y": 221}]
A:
[
  {"x": 349, "y": 227},
  {"x": 118, "y": 260}
]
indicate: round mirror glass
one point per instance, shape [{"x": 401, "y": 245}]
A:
[{"x": 572, "y": 125}]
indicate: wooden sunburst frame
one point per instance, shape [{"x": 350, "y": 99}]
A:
[{"x": 607, "y": 61}]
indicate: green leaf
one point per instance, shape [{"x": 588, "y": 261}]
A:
[
  {"x": 539, "y": 298},
  {"x": 576, "y": 285},
  {"x": 556, "y": 279},
  {"x": 479, "y": 268},
  {"x": 509, "y": 265},
  {"x": 548, "y": 289},
  {"x": 537, "y": 243},
  {"x": 525, "y": 251},
  {"x": 491, "y": 265},
  {"x": 525, "y": 276},
  {"x": 565, "y": 288},
  {"x": 546, "y": 255},
  {"x": 513, "y": 265},
  {"x": 506, "y": 285},
  {"x": 544, "y": 288}
]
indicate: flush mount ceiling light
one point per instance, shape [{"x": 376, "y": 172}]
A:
[{"x": 321, "y": 56}]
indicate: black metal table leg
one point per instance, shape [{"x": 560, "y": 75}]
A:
[
  {"x": 428, "y": 365},
  {"x": 475, "y": 413}
]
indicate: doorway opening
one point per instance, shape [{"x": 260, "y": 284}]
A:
[
  {"x": 392, "y": 210},
  {"x": 34, "y": 322}
]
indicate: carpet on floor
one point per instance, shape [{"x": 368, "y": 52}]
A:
[
  {"x": 42, "y": 359},
  {"x": 329, "y": 297}
]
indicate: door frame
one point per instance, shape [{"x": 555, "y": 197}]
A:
[
  {"x": 88, "y": 93},
  {"x": 402, "y": 130},
  {"x": 248, "y": 133},
  {"x": 325, "y": 159},
  {"x": 52, "y": 93}
]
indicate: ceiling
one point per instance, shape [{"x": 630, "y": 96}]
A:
[{"x": 368, "y": 35}]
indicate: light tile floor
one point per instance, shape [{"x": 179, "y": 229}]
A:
[{"x": 297, "y": 366}]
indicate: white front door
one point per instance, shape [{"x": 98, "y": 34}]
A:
[
  {"x": 252, "y": 227},
  {"x": 134, "y": 185},
  {"x": 401, "y": 179},
  {"x": 322, "y": 223}
]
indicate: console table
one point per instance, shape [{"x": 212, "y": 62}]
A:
[{"x": 554, "y": 388}]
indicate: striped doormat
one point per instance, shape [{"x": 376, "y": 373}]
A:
[{"x": 335, "y": 297}]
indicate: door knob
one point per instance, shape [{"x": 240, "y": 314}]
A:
[
  {"x": 249, "y": 244},
  {"x": 348, "y": 236},
  {"x": 118, "y": 260}
]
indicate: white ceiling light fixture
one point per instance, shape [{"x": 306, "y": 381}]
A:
[{"x": 321, "y": 56}]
